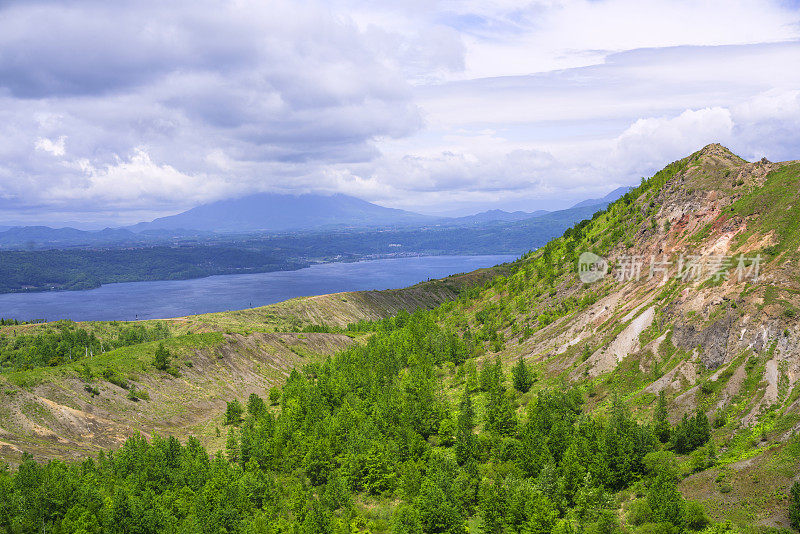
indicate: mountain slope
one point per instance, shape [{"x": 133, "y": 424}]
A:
[
  {"x": 271, "y": 212},
  {"x": 727, "y": 347},
  {"x": 48, "y": 412}
]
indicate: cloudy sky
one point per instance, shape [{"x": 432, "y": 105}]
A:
[{"x": 115, "y": 112}]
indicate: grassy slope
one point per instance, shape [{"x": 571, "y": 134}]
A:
[{"x": 48, "y": 411}]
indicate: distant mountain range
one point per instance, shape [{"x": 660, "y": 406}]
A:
[
  {"x": 269, "y": 213},
  {"x": 608, "y": 199}
]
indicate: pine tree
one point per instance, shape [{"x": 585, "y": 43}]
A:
[
  {"x": 493, "y": 504},
  {"x": 794, "y": 506},
  {"x": 162, "y": 357},
  {"x": 665, "y": 500},
  {"x": 471, "y": 370},
  {"x": 661, "y": 421},
  {"x": 486, "y": 376},
  {"x": 232, "y": 449},
  {"x": 523, "y": 379},
  {"x": 275, "y": 396},
  {"x": 233, "y": 412},
  {"x": 466, "y": 441},
  {"x": 317, "y": 520},
  {"x": 406, "y": 520},
  {"x": 437, "y": 512},
  {"x": 255, "y": 406},
  {"x": 501, "y": 419},
  {"x": 534, "y": 454}
]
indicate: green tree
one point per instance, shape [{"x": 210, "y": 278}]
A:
[
  {"x": 493, "y": 506},
  {"x": 406, "y": 520},
  {"x": 794, "y": 506},
  {"x": 317, "y": 462},
  {"x": 317, "y": 520},
  {"x": 522, "y": 376},
  {"x": 534, "y": 454},
  {"x": 255, "y": 406},
  {"x": 162, "y": 358},
  {"x": 466, "y": 446},
  {"x": 501, "y": 419},
  {"x": 437, "y": 512},
  {"x": 695, "y": 516},
  {"x": 471, "y": 382},
  {"x": 665, "y": 501},
  {"x": 410, "y": 480},
  {"x": 337, "y": 494},
  {"x": 691, "y": 433},
  {"x": 661, "y": 425},
  {"x": 233, "y": 412},
  {"x": 274, "y": 396},
  {"x": 232, "y": 447}
]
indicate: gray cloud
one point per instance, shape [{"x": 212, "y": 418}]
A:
[
  {"x": 123, "y": 109},
  {"x": 208, "y": 90}
]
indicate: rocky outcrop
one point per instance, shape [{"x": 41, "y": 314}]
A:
[{"x": 712, "y": 340}]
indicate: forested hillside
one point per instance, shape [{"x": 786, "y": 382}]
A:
[
  {"x": 404, "y": 434},
  {"x": 531, "y": 402}
]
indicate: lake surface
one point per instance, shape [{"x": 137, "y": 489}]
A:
[{"x": 175, "y": 298}]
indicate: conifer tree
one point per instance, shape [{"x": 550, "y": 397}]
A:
[
  {"x": 466, "y": 441},
  {"x": 162, "y": 358},
  {"x": 794, "y": 506},
  {"x": 233, "y": 412},
  {"x": 522, "y": 376},
  {"x": 661, "y": 422},
  {"x": 232, "y": 450}
]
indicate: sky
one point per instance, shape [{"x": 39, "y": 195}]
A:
[{"x": 117, "y": 112}]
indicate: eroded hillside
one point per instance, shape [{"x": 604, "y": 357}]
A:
[
  {"x": 701, "y": 301},
  {"x": 62, "y": 406}
]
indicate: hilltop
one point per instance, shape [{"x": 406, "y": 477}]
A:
[{"x": 628, "y": 355}]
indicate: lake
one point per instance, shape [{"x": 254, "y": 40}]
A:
[{"x": 176, "y": 298}]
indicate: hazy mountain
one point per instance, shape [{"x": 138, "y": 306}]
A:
[
  {"x": 608, "y": 199},
  {"x": 46, "y": 237},
  {"x": 271, "y": 212},
  {"x": 495, "y": 216}
]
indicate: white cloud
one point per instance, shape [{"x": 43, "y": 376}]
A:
[
  {"x": 768, "y": 124},
  {"x": 133, "y": 182},
  {"x": 540, "y": 36},
  {"x": 655, "y": 139},
  {"x": 56, "y": 148}
]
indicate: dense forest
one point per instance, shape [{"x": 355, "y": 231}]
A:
[
  {"x": 64, "y": 341},
  {"x": 407, "y": 422}
]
